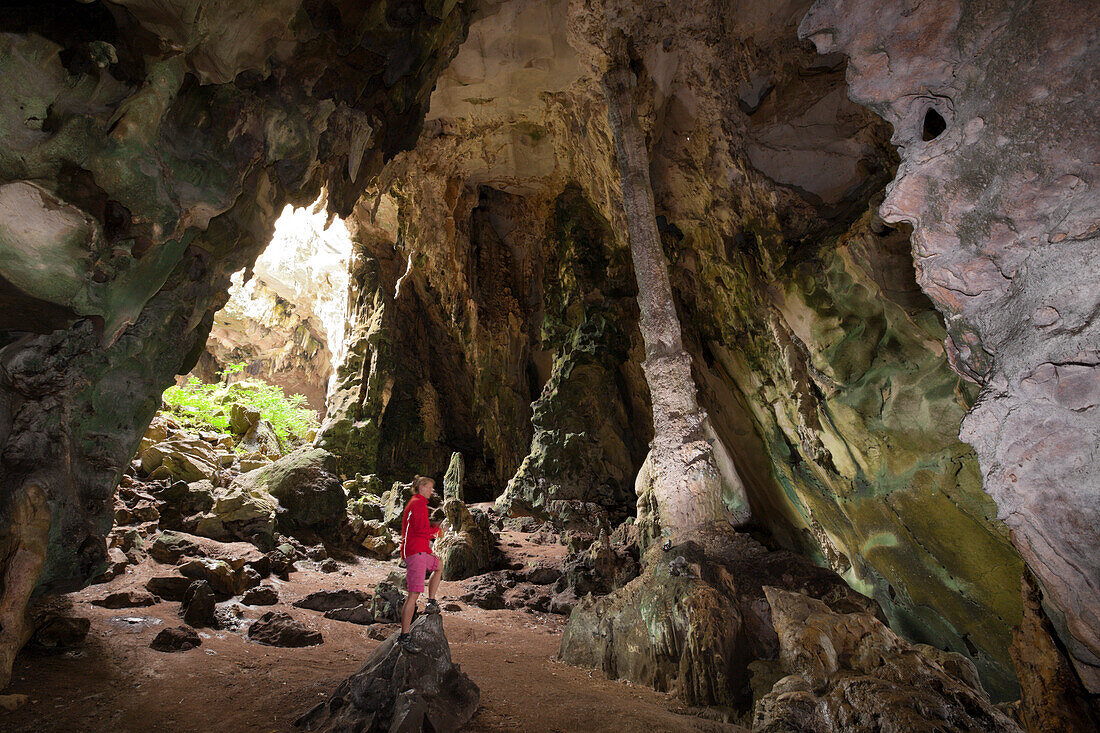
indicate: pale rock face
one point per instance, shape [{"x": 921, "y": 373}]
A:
[
  {"x": 515, "y": 51},
  {"x": 999, "y": 141}
]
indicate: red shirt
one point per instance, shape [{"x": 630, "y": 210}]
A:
[{"x": 416, "y": 531}]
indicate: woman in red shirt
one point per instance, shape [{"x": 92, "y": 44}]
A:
[{"x": 417, "y": 532}]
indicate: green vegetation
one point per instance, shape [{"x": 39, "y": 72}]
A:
[{"x": 206, "y": 406}]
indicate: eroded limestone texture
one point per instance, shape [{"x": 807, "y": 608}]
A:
[{"x": 997, "y": 131}]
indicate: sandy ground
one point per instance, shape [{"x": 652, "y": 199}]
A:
[{"x": 115, "y": 682}]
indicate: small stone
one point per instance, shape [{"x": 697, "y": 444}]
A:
[
  {"x": 329, "y": 566},
  {"x": 357, "y": 615},
  {"x": 169, "y": 587},
  {"x": 178, "y": 639},
  {"x": 276, "y": 628},
  {"x": 198, "y": 605},
  {"x": 263, "y": 595},
  {"x": 126, "y": 599}
]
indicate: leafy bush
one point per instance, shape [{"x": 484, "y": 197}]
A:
[{"x": 204, "y": 406}]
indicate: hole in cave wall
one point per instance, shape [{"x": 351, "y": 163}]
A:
[{"x": 933, "y": 126}]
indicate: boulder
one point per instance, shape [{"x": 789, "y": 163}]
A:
[
  {"x": 221, "y": 576},
  {"x": 848, "y": 671},
  {"x": 281, "y": 564},
  {"x": 239, "y": 511},
  {"x": 60, "y": 632},
  {"x": 386, "y": 603},
  {"x": 485, "y": 592},
  {"x": 157, "y": 432},
  {"x": 126, "y": 599},
  {"x": 261, "y": 595},
  {"x": 198, "y": 605},
  {"x": 178, "y": 639},
  {"x": 400, "y": 691},
  {"x": 367, "y": 507},
  {"x": 262, "y": 438},
  {"x": 117, "y": 560},
  {"x": 371, "y": 535},
  {"x": 242, "y": 418},
  {"x": 187, "y": 458},
  {"x": 170, "y": 547},
  {"x": 369, "y": 485},
  {"x": 277, "y": 628},
  {"x": 696, "y": 617},
  {"x": 327, "y": 600},
  {"x": 180, "y": 500},
  {"x": 305, "y": 487},
  {"x": 169, "y": 587}
]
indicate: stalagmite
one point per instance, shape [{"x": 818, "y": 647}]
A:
[{"x": 685, "y": 480}]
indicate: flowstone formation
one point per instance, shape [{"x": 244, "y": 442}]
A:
[
  {"x": 996, "y": 179},
  {"x": 149, "y": 150}
]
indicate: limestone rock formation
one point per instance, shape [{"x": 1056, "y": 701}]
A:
[
  {"x": 150, "y": 149},
  {"x": 467, "y": 546},
  {"x": 815, "y": 355},
  {"x": 848, "y": 671},
  {"x": 399, "y": 690},
  {"x": 695, "y": 618},
  {"x": 994, "y": 178}
]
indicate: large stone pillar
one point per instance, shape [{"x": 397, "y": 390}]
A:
[{"x": 680, "y": 468}]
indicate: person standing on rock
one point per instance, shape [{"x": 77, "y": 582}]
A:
[{"x": 417, "y": 532}]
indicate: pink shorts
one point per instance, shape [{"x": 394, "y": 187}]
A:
[{"x": 416, "y": 567}]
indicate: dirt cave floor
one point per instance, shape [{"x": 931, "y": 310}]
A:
[{"x": 115, "y": 682}]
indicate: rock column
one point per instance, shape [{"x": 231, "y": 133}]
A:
[{"x": 684, "y": 477}]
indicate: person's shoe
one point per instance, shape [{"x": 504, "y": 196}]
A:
[
  {"x": 432, "y": 606},
  {"x": 406, "y": 642}
]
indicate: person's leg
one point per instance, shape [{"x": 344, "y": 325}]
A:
[
  {"x": 414, "y": 582},
  {"x": 407, "y": 612},
  {"x": 433, "y": 582}
]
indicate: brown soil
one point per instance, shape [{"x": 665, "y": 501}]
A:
[{"x": 115, "y": 682}]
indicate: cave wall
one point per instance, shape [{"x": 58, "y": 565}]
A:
[
  {"x": 149, "y": 150},
  {"x": 818, "y": 358},
  {"x": 996, "y": 124}
]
